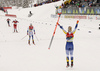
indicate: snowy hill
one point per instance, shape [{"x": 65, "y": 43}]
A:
[{"x": 17, "y": 55}]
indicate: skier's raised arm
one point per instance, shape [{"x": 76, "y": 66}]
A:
[
  {"x": 62, "y": 28},
  {"x": 75, "y": 27}
]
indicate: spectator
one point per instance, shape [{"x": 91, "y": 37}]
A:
[
  {"x": 62, "y": 5},
  {"x": 80, "y": 5},
  {"x": 98, "y": 1},
  {"x": 95, "y": 1},
  {"x": 90, "y": 3},
  {"x": 77, "y": 4},
  {"x": 73, "y": 2},
  {"x": 79, "y": 1},
  {"x": 69, "y": 1},
  {"x": 83, "y": 5}
]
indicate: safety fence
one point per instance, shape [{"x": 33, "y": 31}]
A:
[{"x": 82, "y": 11}]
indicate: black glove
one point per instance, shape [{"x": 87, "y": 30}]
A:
[{"x": 61, "y": 27}]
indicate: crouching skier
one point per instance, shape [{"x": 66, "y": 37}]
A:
[
  {"x": 69, "y": 43},
  {"x": 30, "y": 31}
]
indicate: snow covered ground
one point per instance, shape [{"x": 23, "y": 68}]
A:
[{"x": 17, "y": 55}]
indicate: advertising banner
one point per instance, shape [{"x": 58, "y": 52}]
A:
[
  {"x": 82, "y": 11},
  {"x": 75, "y": 16}
]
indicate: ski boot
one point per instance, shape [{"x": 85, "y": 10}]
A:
[
  {"x": 71, "y": 61},
  {"x": 71, "y": 64},
  {"x": 29, "y": 42},
  {"x": 8, "y": 25},
  {"x": 67, "y": 64},
  {"x": 16, "y": 31},
  {"x": 67, "y": 58},
  {"x": 33, "y": 42}
]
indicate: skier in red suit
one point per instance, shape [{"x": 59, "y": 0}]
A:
[{"x": 15, "y": 25}]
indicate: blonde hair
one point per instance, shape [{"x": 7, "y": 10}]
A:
[{"x": 69, "y": 29}]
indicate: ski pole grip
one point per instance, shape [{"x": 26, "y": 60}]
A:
[
  {"x": 57, "y": 23},
  {"x": 77, "y": 21}
]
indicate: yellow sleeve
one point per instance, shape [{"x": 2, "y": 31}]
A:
[
  {"x": 64, "y": 31},
  {"x": 75, "y": 28},
  {"x": 74, "y": 32}
]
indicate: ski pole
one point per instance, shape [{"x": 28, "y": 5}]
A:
[
  {"x": 23, "y": 37},
  {"x": 54, "y": 32},
  {"x": 36, "y": 37}
]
